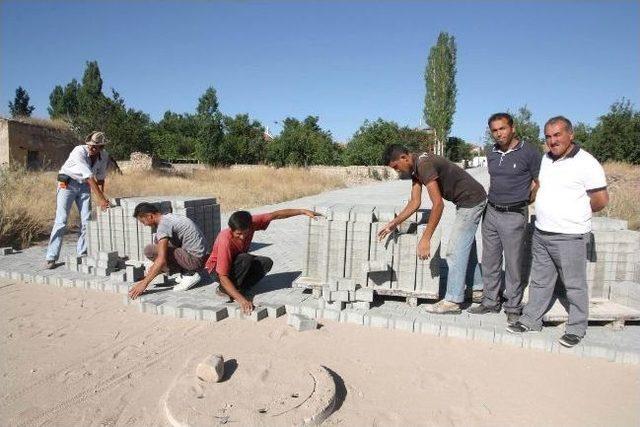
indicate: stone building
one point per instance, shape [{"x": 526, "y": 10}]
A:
[{"x": 34, "y": 143}]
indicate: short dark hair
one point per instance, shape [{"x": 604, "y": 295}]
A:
[
  {"x": 392, "y": 152},
  {"x": 500, "y": 116},
  {"x": 240, "y": 220},
  {"x": 145, "y": 208},
  {"x": 559, "y": 119}
]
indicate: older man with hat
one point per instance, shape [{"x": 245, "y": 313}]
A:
[{"x": 82, "y": 173}]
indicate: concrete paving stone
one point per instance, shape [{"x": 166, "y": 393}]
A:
[
  {"x": 317, "y": 292},
  {"x": 361, "y": 305},
  {"x": 274, "y": 310},
  {"x": 537, "y": 341},
  {"x": 427, "y": 326},
  {"x": 6, "y": 251},
  {"x": 354, "y": 316},
  {"x": 301, "y": 323},
  {"x": 345, "y": 284},
  {"x": 214, "y": 313},
  {"x": 364, "y": 294},
  {"x": 484, "y": 334},
  {"x": 292, "y": 308},
  {"x": 169, "y": 309},
  {"x": 16, "y": 275},
  {"x": 151, "y": 307},
  {"x": 628, "y": 357},
  {"x": 257, "y": 314},
  {"x": 592, "y": 350},
  {"x": 233, "y": 309},
  {"x": 188, "y": 311},
  {"x": 342, "y": 296},
  {"x": 308, "y": 310},
  {"x": 329, "y": 314},
  {"x": 504, "y": 337},
  {"x": 403, "y": 323},
  {"x": 376, "y": 319}
]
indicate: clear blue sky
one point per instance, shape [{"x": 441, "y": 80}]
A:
[{"x": 342, "y": 61}]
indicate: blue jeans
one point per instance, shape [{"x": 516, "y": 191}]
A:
[
  {"x": 462, "y": 257},
  {"x": 75, "y": 192}
]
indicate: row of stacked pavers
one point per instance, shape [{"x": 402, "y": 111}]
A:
[
  {"x": 613, "y": 262},
  {"x": 344, "y": 244},
  {"x": 115, "y": 229},
  {"x": 202, "y": 304}
]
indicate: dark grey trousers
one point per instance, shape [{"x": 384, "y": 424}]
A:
[
  {"x": 503, "y": 232},
  {"x": 562, "y": 256}
]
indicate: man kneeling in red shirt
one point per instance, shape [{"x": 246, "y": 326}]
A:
[{"x": 238, "y": 270}]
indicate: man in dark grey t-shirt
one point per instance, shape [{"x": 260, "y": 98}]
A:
[
  {"x": 179, "y": 248},
  {"x": 513, "y": 169},
  {"x": 444, "y": 181}
]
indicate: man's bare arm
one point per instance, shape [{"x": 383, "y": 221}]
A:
[
  {"x": 599, "y": 199},
  {"x": 156, "y": 268},
  {"x": 535, "y": 184},
  {"x": 288, "y": 213},
  {"x": 232, "y": 291},
  {"x": 95, "y": 189},
  {"x": 413, "y": 205}
]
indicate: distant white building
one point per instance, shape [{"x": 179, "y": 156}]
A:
[{"x": 478, "y": 161}]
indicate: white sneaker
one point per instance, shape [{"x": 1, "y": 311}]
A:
[{"x": 187, "y": 282}]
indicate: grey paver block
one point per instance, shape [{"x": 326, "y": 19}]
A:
[
  {"x": 215, "y": 313},
  {"x": 274, "y": 310},
  {"x": 301, "y": 323}
]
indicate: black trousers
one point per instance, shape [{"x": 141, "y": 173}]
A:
[{"x": 247, "y": 270}]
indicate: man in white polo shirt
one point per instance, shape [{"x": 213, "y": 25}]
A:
[
  {"x": 572, "y": 186},
  {"x": 83, "y": 172}
]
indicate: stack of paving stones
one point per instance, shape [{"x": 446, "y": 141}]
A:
[
  {"x": 344, "y": 256},
  {"x": 115, "y": 229},
  {"x": 613, "y": 261}
]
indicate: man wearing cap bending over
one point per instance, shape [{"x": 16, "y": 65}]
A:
[
  {"x": 238, "y": 270},
  {"x": 82, "y": 173},
  {"x": 179, "y": 248}
]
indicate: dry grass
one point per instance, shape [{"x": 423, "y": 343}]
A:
[
  {"x": 27, "y": 199},
  {"x": 624, "y": 193}
]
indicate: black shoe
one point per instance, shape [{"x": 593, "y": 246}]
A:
[
  {"x": 483, "y": 309},
  {"x": 512, "y": 318},
  {"x": 518, "y": 328},
  {"x": 569, "y": 340}
]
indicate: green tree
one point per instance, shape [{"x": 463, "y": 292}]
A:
[
  {"x": 20, "y": 106},
  {"x": 458, "y": 150},
  {"x": 440, "y": 80},
  {"x": 210, "y": 131},
  {"x": 208, "y": 103},
  {"x": 302, "y": 144},
  {"x": 526, "y": 129},
  {"x": 243, "y": 141},
  {"x": 175, "y": 136},
  {"x": 63, "y": 103},
  {"x": 616, "y": 136}
]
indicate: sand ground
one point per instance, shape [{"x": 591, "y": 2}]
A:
[{"x": 76, "y": 357}]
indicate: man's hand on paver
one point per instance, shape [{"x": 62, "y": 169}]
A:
[
  {"x": 246, "y": 306},
  {"x": 386, "y": 230},
  {"x": 424, "y": 249},
  {"x": 137, "y": 289}
]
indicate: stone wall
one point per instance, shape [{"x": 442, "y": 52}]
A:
[{"x": 34, "y": 145}]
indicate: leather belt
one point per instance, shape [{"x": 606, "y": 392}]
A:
[{"x": 516, "y": 207}]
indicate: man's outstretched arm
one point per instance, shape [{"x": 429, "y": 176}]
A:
[{"x": 288, "y": 213}]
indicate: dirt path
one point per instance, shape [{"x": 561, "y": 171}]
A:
[{"x": 74, "y": 357}]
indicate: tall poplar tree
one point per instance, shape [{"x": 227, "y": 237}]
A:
[{"x": 440, "y": 80}]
